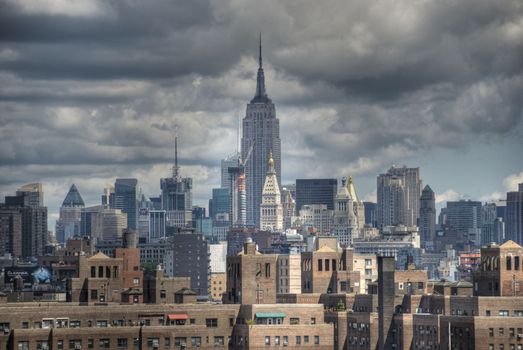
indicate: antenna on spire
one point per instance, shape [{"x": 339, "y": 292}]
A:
[
  {"x": 176, "y": 168},
  {"x": 260, "y": 57}
]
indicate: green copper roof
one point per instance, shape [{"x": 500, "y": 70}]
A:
[{"x": 270, "y": 315}]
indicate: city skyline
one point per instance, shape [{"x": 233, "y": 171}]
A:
[{"x": 352, "y": 99}]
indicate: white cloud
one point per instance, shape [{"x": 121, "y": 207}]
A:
[
  {"x": 448, "y": 195},
  {"x": 511, "y": 182}
]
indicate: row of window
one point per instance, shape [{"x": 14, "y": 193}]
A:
[
  {"x": 285, "y": 340},
  {"x": 512, "y": 332},
  {"x": 502, "y": 347}
]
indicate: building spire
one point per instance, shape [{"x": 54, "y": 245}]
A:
[
  {"x": 261, "y": 93},
  {"x": 260, "y": 54},
  {"x": 176, "y": 168}
]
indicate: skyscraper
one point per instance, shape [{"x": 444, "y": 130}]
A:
[
  {"x": 399, "y": 192},
  {"x": 514, "y": 215},
  {"x": 261, "y": 130},
  {"x": 29, "y": 200},
  {"x": 10, "y": 231},
  {"x": 229, "y": 162},
  {"x": 465, "y": 218},
  {"x": 427, "y": 218},
  {"x": 271, "y": 210},
  {"x": 68, "y": 225},
  {"x": 177, "y": 195},
  {"x": 125, "y": 199}
]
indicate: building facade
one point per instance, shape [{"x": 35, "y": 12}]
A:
[
  {"x": 316, "y": 191},
  {"x": 514, "y": 215}
]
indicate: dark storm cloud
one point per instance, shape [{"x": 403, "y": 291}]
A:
[{"x": 91, "y": 90}]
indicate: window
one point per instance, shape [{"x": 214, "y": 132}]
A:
[
  {"x": 180, "y": 341},
  {"x": 166, "y": 342},
  {"x": 94, "y": 294},
  {"x": 23, "y": 345},
  {"x": 298, "y": 340},
  {"x": 420, "y": 285},
  {"x": 231, "y": 322},
  {"x": 320, "y": 265},
  {"x": 501, "y": 331},
  {"x": 153, "y": 343},
  {"x": 343, "y": 286},
  {"x": 101, "y": 323},
  {"x": 305, "y": 339},
  {"x": 333, "y": 264},
  {"x": 93, "y": 271},
  {"x": 75, "y": 344},
  {"x": 196, "y": 341},
  {"x": 285, "y": 340},
  {"x": 100, "y": 271},
  {"x": 267, "y": 340},
  {"x": 219, "y": 341},
  {"x": 267, "y": 270},
  {"x": 25, "y": 325},
  {"x": 503, "y": 313},
  {"x": 42, "y": 344},
  {"x": 104, "y": 344},
  {"x": 90, "y": 343},
  {"x": 487, "y": 312},
  {"x": 516, "y": 263},
  {"x": 192, "y": 321},
  {"x": 136, "y": 281},
  {"x": 294, "y": 320},
  {"x": 313, "y": 320},
  {"x": 122, "y": 342},
  {"x": 211, "y": 322},
  {"x": 316, "y": 340},
  {"x": 491, "y": 332},
  {"x": 75, "y": 324},
  {"x": 509, "y": 263},
  {"x": 368, "y": 262},
  {"x": 511, "y": 332},
  {"x": 400, "y": 286},
  {"x": 327, "y": 265},
  {"x": 162, "y": 294},
  {"x": 277, "y": 340}
]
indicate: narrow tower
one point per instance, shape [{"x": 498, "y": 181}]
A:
[{"x": 271, "y": 210}]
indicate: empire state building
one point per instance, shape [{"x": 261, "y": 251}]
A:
[{"x": 261, "y": 131}]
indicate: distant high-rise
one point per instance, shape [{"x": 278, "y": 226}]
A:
[
  {"x": 125, "y": 199},
  {"x": 316, "y": 191},
  {"x": 399, "y": 192},
  {"x": 261, "y": 130},
  {"x": 33, "y": 195},
  {"x": 10, "y": 231},
  {"x": 29, "y": 201},
  {"x": 271, "y": 210},
  {"x": 464, "y": 217},
  {"x": 427, "y": 218},
  {"x": 220, "y": 202},
  {"x": 514, "y": 215},
  {"x": 370, "y": 214},
  {"x": 229, "y": 162},
  {"x": 68, "y": 224},
  {"x": 177, "y": 195}
]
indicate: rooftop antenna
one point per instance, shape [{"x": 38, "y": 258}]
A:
[
  {"x": 260, "y": 56},
  {"x": 176, "y": 168}
]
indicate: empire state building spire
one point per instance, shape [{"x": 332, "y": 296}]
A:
[{"x": 261, "y": 93}]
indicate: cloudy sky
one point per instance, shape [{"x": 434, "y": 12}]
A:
[{"x": 91, "y": 90}]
